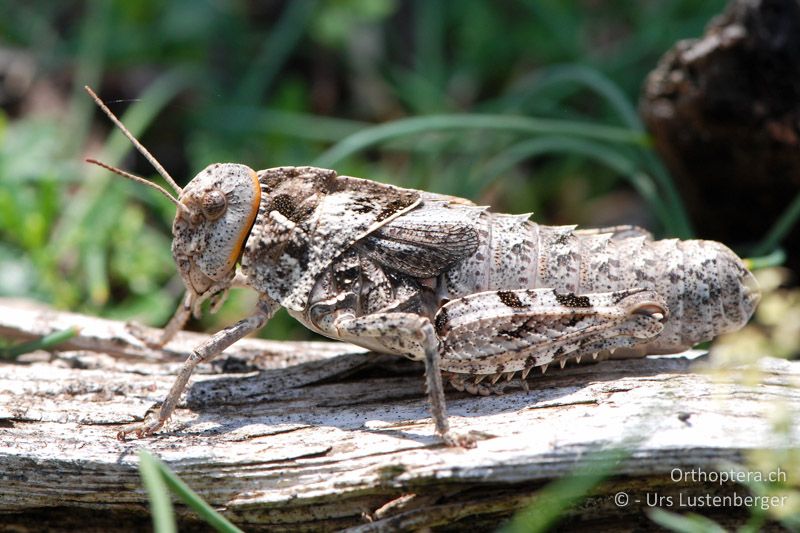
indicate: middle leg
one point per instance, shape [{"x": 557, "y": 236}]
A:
[{"x": 418, "y": 335}]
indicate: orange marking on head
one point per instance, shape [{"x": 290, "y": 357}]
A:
[{"x": 237, "y": 250}]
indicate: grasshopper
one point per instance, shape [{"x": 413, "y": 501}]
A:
[{"x": 476, "y": 295}]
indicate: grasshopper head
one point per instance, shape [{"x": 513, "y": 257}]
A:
[{"x": 217, "y": 210}]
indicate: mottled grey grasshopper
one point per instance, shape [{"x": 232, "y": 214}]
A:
[{"x": 476, "y": 295}]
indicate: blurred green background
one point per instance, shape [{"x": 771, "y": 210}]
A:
[{"x": 523, "y": 105}]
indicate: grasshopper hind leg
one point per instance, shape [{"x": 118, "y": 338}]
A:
[
  {"x": 496, "y": 335},
  {"x": 489, "y": 337}
]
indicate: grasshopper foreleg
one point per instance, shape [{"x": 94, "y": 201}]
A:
[
  {"x": 175, "y": 324},
  {"x": 202, "y": 353},
  {"x": 189, "y": 304}
]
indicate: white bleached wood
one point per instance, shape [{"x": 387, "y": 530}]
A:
[{"x": 320, "y": 436}]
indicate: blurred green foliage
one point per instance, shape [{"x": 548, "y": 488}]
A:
[
  {"x": 527, "y": 105},
  {"x": 510, "y": 103}
]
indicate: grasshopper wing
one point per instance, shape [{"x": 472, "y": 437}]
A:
[{"x": 424, "y": 242}]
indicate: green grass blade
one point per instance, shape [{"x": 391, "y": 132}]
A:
[
  {"x": 418, "y": 125},
  {"x": 688, "y": 523},
  {"x": 561, "y": 495},
  {"x": 563, "y": 25},
  {"x": 429, "y": 57},
  {"x": 683, "y": 226},
  {"x": 606, "y": 155},
  {"x": 275, "y": 51},
  {"x": 303, "y": 126},
  {"x": 601, "y": 85},
  {"x": 193, "y": 500},
  {"x": 774, "y": 259},
  {"x": 780, "y": 229},
  {"x": 89, "y": 66},
  {"x": 429, "y": 34},
  {"x": 585, "y": 76},
  {"x": 617, "y": 100},
  {"x": 43, "y": 343},
  {"x": 160, "y": 503}
]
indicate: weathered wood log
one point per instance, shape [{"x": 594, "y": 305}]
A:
[{"x": 321, "y": 436}]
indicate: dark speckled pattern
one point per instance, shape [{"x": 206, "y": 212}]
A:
[{"x": 329, "y": 247}]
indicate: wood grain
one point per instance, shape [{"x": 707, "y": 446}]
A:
[{"x": 321, "y": 436}]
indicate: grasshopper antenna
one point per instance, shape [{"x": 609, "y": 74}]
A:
[
  {"x": 139, "y": 179},
  {"x": 137, "y": 144}
]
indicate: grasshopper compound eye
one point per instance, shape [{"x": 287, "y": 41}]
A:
[{"x": 213, "y": 204}]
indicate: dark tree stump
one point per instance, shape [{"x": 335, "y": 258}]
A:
[{"x": 725, "y": 114}]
